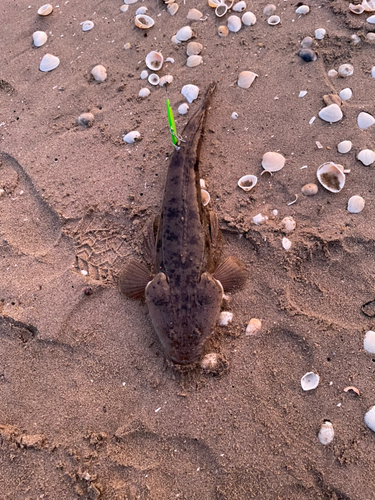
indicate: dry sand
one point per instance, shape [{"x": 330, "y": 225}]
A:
[{"x": 89, "y": 406}]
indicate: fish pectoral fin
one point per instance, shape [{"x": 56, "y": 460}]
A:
[
  {"x": 232, "y": 274},
  {"x": 209, "y": 295},
  {"x": 133, "y": 279}
]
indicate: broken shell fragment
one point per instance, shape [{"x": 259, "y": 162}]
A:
[
  {"x": 352, "y": 388},
  {"x": 273, "y": 20},
  {"x": 307, "y": 55},
  {"x": 222, "y": 31},
  {"x": 173, "y": 8},
  {"x": 99, "y": 73},
  {"x": 260, "y": 219},
  {"x": 253, "y": 326},
  {"x": 205, "y": 195},
  {"x": 144, "y": 74},
  {"x": 356, "y": 204},
  {"x": 87, "y": 25},
  {"x": 165, "y": 80},
  {"x": 310, "y": 381},
  {"x": 225, "y": 317},
  {"x": 141, "y": 10},
  {"x": 345, "y": 94},
  {"x": 331, "y": 113},
  {"x": 369, "y": 342},
  {"x": 286, "y": 243},
  {"x": 245, "y": 79},
  {"x": 307, "y": 42},
  {"x": 39, "y": 38},
  {"x": 344, "y": 147},
  {"x": 194, "y": 48},
  {"x": 366, "y": 156},
  {"x": 49, "y": 62},
  {"x": 184, "y": 34},
  {"x": 247, "y": 182},
  {"x": 303, "y": 9},
  {"x": 154, "y": 60},
  {"x": 249, "y": 19},
  {"x": 369, "y": 5},
  {"x": 365, "y": 120},
  {"x": 320, "y": 33},
  {"x": 370, "y": 418},
  {"x": 194, "y": 14},
  {"x": 153, "y": 79},
  {"x": 331, "y": 177},
  {"x": 214, "y": 3},
  {"x": 234, "y": 24},
  {"x": 124, "y": 8},
  {"x": 193, "y": 61},
  {"x": 190, "y": 92},
  {"x": 371, "y": 19},
  {"x": 326, "y": 433},
  {"x": 269, "y": 9},
  {"x": 183, "y": 108},
  {"x": 144, "y": 22},
  {"x": 356, "y": 9},
  {"x": 332, "y": 73},
  {"x": 289, "y": 224},
  {"x": 45, "y": 10},
  {"x": 239, "y": 7},
  {"x": 131, "y": 137},
  {"x": 309, "y": 189},
  {"x": 145, "y": 92},
  {"x": 273, "y": 162},
  {"x": 221, "y": 10},
  {"x": 346, "y": 70}
]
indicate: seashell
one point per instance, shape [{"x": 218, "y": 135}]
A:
[
  {"x": 253, "y": 326},
  {"x": 99, "y": 73},
  {"x": 369, "y": 5},
  {"x": 289, "y": 224},
  {"x": 356, "y": 9},
  {"x": 260, "y": 219},
  {"x": 245, "y": 79},
  {"x": 190, "y": 92},
  {"x": 273, "y": 20},
  {"x": 247, "y": 182},
  {"x": 370, "y": 418},
  {"x": 370, "y": 37},
  {"x": 365, "y": 120},
  {"x": 331, "y": 113},
  {"x": 249, "y": 19},
  {"x": 165, "y": 80},
  {"x": 307, "y": 42},
  {"x": 310, "y": 381},
  {"x": 309, "y": 189},
  {"x": 344, "y": 147},
  {"x": 222, "y": 31},
  {"x": 234, "y": 24},
  {"x": 352, "y": 388},
  {"x": 369, "y": 342},
  {"x": 49, "y": 62},
  {"x": 373, "y": 72},
  {"x": 183, "y": 108},
  {"x": 303, "y": 9},
  {"x": 154, "y": 60},
  {"x": 87, "y": 25},
  {"x": 141, "y": 10},
  {"x": 153, "y": 79},
  {"x": 239, "y": 7},
  {"x": 124, "y": 8},
  {"x": 39, "y": 38},
  {"x": 131, "y": 137},
  {"x": 320, "y": 33},
  {"x": 225, "y": 317},
  {"x": 210, "y": 362},
  {"x": 307, "y": 55},
  {"x": 127, "y": 46},
  {"x": 173, "y": 8},
  {"x": 145, "y": 92},
  {"x": 346, "y": 70},
  {"x": 130, "y": 2},
  {"x": 194, "y": 48},
  {"x": 193, "y": 61},
  {"x": 45, "y": 10},
  {"x": 345, "y": 94},
  {"x": 170, "y": 59},
  {"x": 144, "y": 74},
  {"x": 371, "y": 19},
  {"x": 205, "y": 195},
  {"x": 331, "y": 177},
  {"x": 194, "y": 14},
  {"x": 355, "y": 39},
  {"x": 286, "y": 243},
  {"x": 326, "y": 433},
  {"x": 184, "y": 34},
  {"x": 86, "y": 119},
  {"x": 168, "y": 2},
  {"x": 202, "y": 182},
  {"x": 366, "y": 156},
  {"x": 332, "y": 73},
  {"x": 356, "y": 204},
  {"x": 269, "y": 9},
  {"x": 214, "y": 3},
  {"x": 234, "y": 115},
  {"x": 332, "y": 99},
  {"x": 144, "y": 22},
  {"x": 273, "y": 162}
]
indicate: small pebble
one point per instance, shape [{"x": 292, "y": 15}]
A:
[
  {"x": 86, "y": 119},
  {"x": 307, "y": 55},
  {"x": 253, "y": 326}
]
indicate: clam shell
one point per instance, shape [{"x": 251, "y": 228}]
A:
[
  {"x": 173, "y": 8},
  {"x": 165, "y": 80},
  {"x": 332, "y": 73},
  {"x": 154, "y": 60},
  {"x": 183, "y": 108},
  {"x": 249, "y": 19},
  {"x": 331, "y": 177},
  {"x": 253, "y": 326},
  {"x": 184, "y": 34},
  {"x": 153, "y": 79},
  {"x": 260, "y": 219},
  {"x": 141, "y": 10},
  {"x": 124, "y": 8},
  {"x": 344, "y": 147},
  {"x": 193, "y": 61},
  {"x": 273, "y": 20},
  {"x": 366, "y": 156},
  {"x": 190, "y": 92},
  {"x": 225, "y": 317},
  {"x": 144, "y": 74},
  {"x": 194, "y": 48},
  {"x": 239, "y": 7},
  {"x": 365, "y": 120},
  {"x": 234, "y": 24},
  {"x": 320, "y": 33},
  {"x": 331, "y": 113},
  {"x": 273, "y": 162},
  {"x": 245, "y": 79},
  {"x": 222, "y": 31},
  {"x": 131, "y": 137},
  {"x": 247, "y": 182},
  {"x": 356, "y": 9},
  {"x": 345, "y": 94},
  {"x": 205, "y": 195},
  {"x": 87, "y": 25},
  {"x": 303, "y": 9},
  {"x": 99, "y": 73},
  {"x": 130, "y": 2},
  {"x": 39, "y": 38},
  {"x": 194, "y": 14},
  {"x": 49, "y": 62},
  {"x": 373, "y": 72},
  {"x": 45, "y": 10},
  {"x": 346, "y": 70},
  {"x": 214, "y": 3},
  {"x": 369, "y": 5},
  {"x": 356, "y": 204},
  {"x": 310, "y": 381},
  {"x": 369, "y": 342},
  {"x": 326, "y": 433},
  {"x": 370, "y": 418},
  {"x": 355, "y": 38},
  {"x": 309, "y": 189},
  {"x": 307, "y": 42},
  {"x": 289, "y": 224},
  {"x": 269, "y": 9},
  {"x": 371, "y": 19},
  {"x": 145, "y": 92},
  {"x": 175, "y": 40},
  {"x": 286, "y": 243},
  {"x": 144, "y": 22}
]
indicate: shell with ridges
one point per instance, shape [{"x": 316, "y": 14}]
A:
[
  {"x": 331, "y": 176},
  {"x": 249, "y": 19},
  {"x": 39, "y": 38},
  {"x": 273, "y": 162},
  {"x": 245, "y": 79},
  {"x": 144, "y": 22},
  {"x": 190, "y": 92}
]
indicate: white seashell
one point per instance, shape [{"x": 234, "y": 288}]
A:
[
  {"x": 214, "y": 3},
  {"x": 365, "y": 120},
  {"x": 260, "y": 219},
  {"x": 273, "y": 20},
  {"x": 144, "y": 74},
  {"x": 249, "y": 19},
  {"x": 153, "y": 79},
  {"x": 127, "y": 46},
  {"x": 130, "y": 2},
  {"x": 373, "y": 72},
  {"x": 144, "y": 22},
  {"x": 332, "y": 73},
  {"x": 275, "y": 212},
  {"x": 131, "y": 137},
  {"x": 154, "y": 60},
  {"x": 124, "y": 8},
  {"x": 141, "y": 10},
  {"x": 210, "y": 362},
  {"x": 184, "y": 34},
  {"x": 39, "y": 38},
  {"x": 45, "y": 10},
  {"x": 221, "y": 10},
  {"x": 269, "y": 9},
  {"x": 370, "y": 418},
  {"x": 99, "y": 73},
  {"x": 190, "y": 92},
  {"x": 331, "y": 176},
  {"x": 302, "y": 93},
  {"x": 194, "y": 14},
  {"x": 170, "y": 59},
  {"x": 309, "y": 189},
  {"x": 145, "y": 92},
  {"x": 175, "y": 40},
  {"x": 165, "y": 80},
  {"x": 356, "y": 204},
  {"x": 371, "y": 19},
  {"x": 345, "y": 94},
  {"x": 273, "y": 162},
  {"x": 234, "y": 115},
  {"x": 346, "y": 70},
  {"x": 355, "y": 39},
  {"x": 344, "y": 147},
  {"x": 194, "y": 48},
  {"x": 356, "y": 9},
  {"x": 239, "y": 7},
  {"x": 320, "y": 33},
  {"x": 303, "y": 9},
  {"x": 331, "y": 113},
  {"x": 173, "y": 8},
  {"x": 247, "y": 182},
  {"x": 289, "y": 224},
  {"x": 205, "y": 195},
  {"x": 49, "y": 62},
  {"x": 253, "y": 326},
  {"x": 202, "y": 182},
  {"x": 307, "y": 42},
  {"x": 310, "y": 381},
  {"x": 245, "y": 79},
  {"x": 286, "y": 243},
  {"x": 369, "y": 5},
  {"x": 234, "y": 24},
  {"x": 225, "y": 317},
  {"x": 87, "y": 25},
  {"x": 183, "y": 108},
  {"x": 326, "y": 433},
  {"x": 193, "y": 61},
  {"x": 369, "y": 342},
  {"x": 366, "y": 156}
]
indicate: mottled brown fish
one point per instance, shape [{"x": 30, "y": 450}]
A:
[{"x": 185, "y": 295}]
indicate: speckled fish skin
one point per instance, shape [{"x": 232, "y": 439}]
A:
[{"x": 183, "y": 298}]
